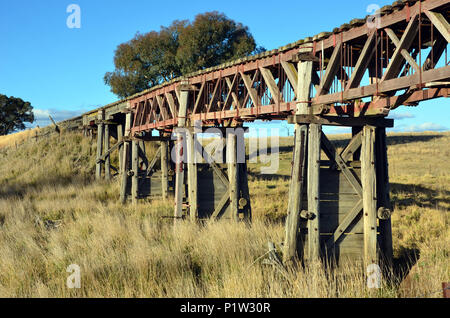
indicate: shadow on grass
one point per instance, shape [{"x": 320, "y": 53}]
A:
[
  {"x": 402, "y": 265},
  {"x": 406, "y": 139},
  {"x": 404, "y": 195},
  {"x": 19, "y": 189},
  {"x": 341, "y": 142},
  {"x": 255, "y": 176},
  {"x": 269, "y": 151}
]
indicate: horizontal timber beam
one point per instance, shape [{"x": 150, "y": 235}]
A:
[{"x": 341, "y": 121}]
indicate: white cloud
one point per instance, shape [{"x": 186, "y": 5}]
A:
[
  {"x": 421, "y": 127},
  {"x": 41, "y": 118},
  {"x": 401, "y": 115}
]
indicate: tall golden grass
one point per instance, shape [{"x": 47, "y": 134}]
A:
[
  {"x": 18, "y": 138},
  {"x": 53, "y": 214}
]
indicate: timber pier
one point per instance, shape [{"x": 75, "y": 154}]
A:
[{"x": 352, "y": 76}]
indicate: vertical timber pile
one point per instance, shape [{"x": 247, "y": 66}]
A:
[
  {"x": 192, "y": 175},
  {"x": 164, "y": 168},
  {"x": 108, "y": 158},
  {"x": 100, "y": 136},
  {"x": 125, "y": 158},
  {"x": 134, "y": 170},
  {"x": 384, "y": 204},
  {"x": 233, "y": 174},
  {"x": 179, "y": 165},
  {"x": 313, "y": 190},
  {"x": 120, "y": 141},
  {"x": 368, "y": 180},
  {"x": 298, "y": 164}
]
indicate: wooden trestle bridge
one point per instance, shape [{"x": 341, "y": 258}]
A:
[{"x": 353, "y": 76}]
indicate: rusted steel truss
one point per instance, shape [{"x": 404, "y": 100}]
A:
[{"x": 359, "y": 70}]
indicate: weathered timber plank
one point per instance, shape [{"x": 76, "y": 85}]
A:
[
  {"x": 192, "y": 177},
  {"x": 164, "y": 145},
  {"x": 108, "y": 158},
  {"x": 135, "y": 170},
  {"x": 341, "y": 121},
  {"x": 295, "y": 194},
  {"x": 233, "y": 176},
  {"x": 384, "y": 227},
  {"x": 368, "y": 179},
  {"x": 346, "y": 171},
  {"x": 440, "y": 23},
  {"x": 313, "y": 189}
]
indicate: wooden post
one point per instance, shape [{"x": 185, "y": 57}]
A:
[
  {"x": 233, "y": 174},
  {"x": 142, "y": 155},
  {"x": 179, "y": 178},
  {"x": 192, "y": 175},
  {"x": 313, "y": 184},
  {"x": 357, "y": 153},
  {"x": 135, "y": 169},
  {"x": 108, "y": 158},
  {"x": 298, "y": 166},
  {"x": 179, "y": 170},
  {"x": 120, "y": 139},
  {"x": 184, "y": 97},
  {"x": 368, "y": 180},
  {"x": 383, "y": 196},
  {"x": 246, "y": 192},
  {"x": 295, "y": 194},
  {"x": 126, "y": 160},
  {"x": 100, "y": 136},
  {"x": 164, "y": 169}
]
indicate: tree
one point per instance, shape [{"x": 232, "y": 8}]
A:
[
  {"x": 14, "y": 112},
  {"x": 213, "y": 39},
  {"x": 183, "y": 47}
]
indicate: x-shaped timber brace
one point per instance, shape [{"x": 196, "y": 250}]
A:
[
  {"x": 343, "y": 201},
  {"x": 143, "y": 178},
  {"x": 107, "y": 128},
  {"x": 214, "y": 185}
]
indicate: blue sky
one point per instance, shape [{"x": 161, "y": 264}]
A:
[{"x": 60, "y": 70}]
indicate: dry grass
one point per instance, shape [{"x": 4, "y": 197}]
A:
[
  {"x": 17, "y": 138},
  {"x": 132, "y": 251}
]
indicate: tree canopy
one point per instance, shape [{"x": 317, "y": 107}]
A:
[
  {"x": 183, "y": 47},
  {"x": 14, "y": 112}
]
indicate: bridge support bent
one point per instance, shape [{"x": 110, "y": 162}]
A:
[{"x": 342, "y": 196}]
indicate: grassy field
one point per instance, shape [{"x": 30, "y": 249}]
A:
[{"x": 53, "y": 214}]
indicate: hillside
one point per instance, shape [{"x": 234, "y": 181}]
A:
[{"x": 53, "y": 214}]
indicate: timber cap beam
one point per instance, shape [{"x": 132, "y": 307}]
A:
[
  {"x": 151, "y": 138},
  {"x": 341, "y": 121},
  {"x": 212, "y": 129}
]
